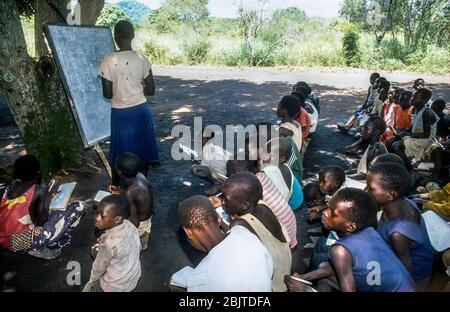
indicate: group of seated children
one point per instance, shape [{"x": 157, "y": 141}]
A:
[
  {"x": 416, "y": 128},
  {"x": 27, "y": 225},
  {"x": 375, "y": 237}
]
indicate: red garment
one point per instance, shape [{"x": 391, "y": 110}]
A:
[
  {"x": 305, "y": 122},
  {"x": 403, "y": 118},
  {"x": 11, "y": 211}
]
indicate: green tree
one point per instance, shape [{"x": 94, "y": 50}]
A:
[
  {"x": 350, "y": 48},
  {"x": 110, "y": 15},
  {"x": 33, "y": 86}
]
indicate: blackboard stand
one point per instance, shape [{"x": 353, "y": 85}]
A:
[{"x": 103, "y": 158}]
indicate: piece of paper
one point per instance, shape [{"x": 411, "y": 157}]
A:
[
  {"x": 61, "y": 200},
  {"x": 355, "y": 183},
  {"x": 180, "y": 278},
  {"x": 438, "y": 230},
  {"x": 100, "y": 195}
]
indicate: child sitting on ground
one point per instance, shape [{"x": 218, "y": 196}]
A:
[
  {"x": 213, "y": 162},
  {"x": 401, "y": 224},
  {"x": 367, "y": 104},
  {"x": 331, "y": 179},
  {"x": 139, "y": 193},
  {"x": 242, "y": 195},
  {"x": 360, "y": 250},
  {"x": 288, "y": 109},
  {"x": 402, "y": 119},
  {"x": 26, "y": 224},
  {"x": 443, "y": 125},
  {"x": 303, "y": 117},
  {"x": 414, "y": 143},
  {"x": 271, "y": 197},
  {"x": 272, "y": 163},
  {"x": 373, "y": 129},
  {"x": 116, "y": 267}
]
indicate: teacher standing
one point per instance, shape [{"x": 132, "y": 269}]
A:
[{"x": 127, "y": 79}]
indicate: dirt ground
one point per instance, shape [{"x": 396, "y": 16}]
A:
[{"x": 221, "y": 96}]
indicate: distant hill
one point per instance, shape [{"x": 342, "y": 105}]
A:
[{"x": 136, "y": 11}]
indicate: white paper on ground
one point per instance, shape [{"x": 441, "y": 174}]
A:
[
  {"x": 60, "y": 201},
  {"x": 438, "y": 230},
  {"x": 180, "y": 278},
  {"x": 100, "y": 195}
]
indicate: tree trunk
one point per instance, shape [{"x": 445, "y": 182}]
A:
[{"x": 35, "y": 94}]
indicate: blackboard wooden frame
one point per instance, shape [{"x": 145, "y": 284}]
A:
[{"x": 47, "y": 33}]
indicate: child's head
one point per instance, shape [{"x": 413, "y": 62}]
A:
[
  {"x": 331, "y": 179},
  {"x": 127, "y": 165},
  {"x": 302, "y": 87},
  {"x": 27, "y": 169},
  {"x": 373, "y": 128},
  {"x": 387, "y": 182},
  {"x": 123, "y": 33},
  {"x": 288, "y": 107},
  {"x": 421, "y": 97},
  {"x": 397, "y": 93},
  {"x": 277, "y": 152},
  {"x": 197, "y": 216},
  {"x": 312, "y": 194},
  {"x": 350, "y": 210},
  {"x": 111, "y": 212},
  {"x": 438, "y": 106},
  {"x": 301, "y": 96},
  {"x": 384, "y": 87},
  {"x": 405, "y": 99},
  {"x": 391, "y": 95},
  {"x": 419, "y": 84},
  {"x": 241, "y": 194},
  {"x": 373, "y": 77},
  {"x": 238, "y": 166},
  {"x": 387, "y": 158},
  {"x": 376, "y": 85}
]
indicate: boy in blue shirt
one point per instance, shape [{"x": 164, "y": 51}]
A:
[{"x": 360, "y": 258}]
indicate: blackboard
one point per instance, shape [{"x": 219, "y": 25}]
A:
[{"x": 78, "y": 51}]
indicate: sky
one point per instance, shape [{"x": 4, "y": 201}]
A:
[{"x": 228, "y": 8}]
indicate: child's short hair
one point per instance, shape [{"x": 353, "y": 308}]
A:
[
  {"x": 384, "y": 84},
  {"x": 363, "y": 210},
  {"x": 300, "y": 95},
  {"x": 388, "y": 158},
  {"x": 238, "y": 166},
  {"x": 302, "y": 87},
  {"x": 124, "y": 29},
  {"x": 129, "y": 164},
  {"x": 438, "y": 105},
  {"x": 405, "y": 95},
  {"x": 395, "y": 177},
  {"x": 120, "y": 205},
  {"x": 291, "y": 104},
  {"x": 26, "y": 168},
  {"x": 378, "y": 122},
  {"x": 374, "y": 76},
  {"x": 247, "y": 187},
  {"x": 337, "y": 172},
  {"x": 418, "y": 81},
  {"x": 196, "y": 212},
  {"x": 311, "y": 192}
]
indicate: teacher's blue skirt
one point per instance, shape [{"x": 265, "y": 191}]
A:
[{"x": 132, "y": 131}]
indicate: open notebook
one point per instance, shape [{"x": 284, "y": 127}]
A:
[{"x": 61, "y": 199}]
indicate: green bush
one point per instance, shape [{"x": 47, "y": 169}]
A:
[
  {"x": 157, "y": 54},
  {"x": 350, "y": 48},
  {"x": 196, "y": 51}
]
